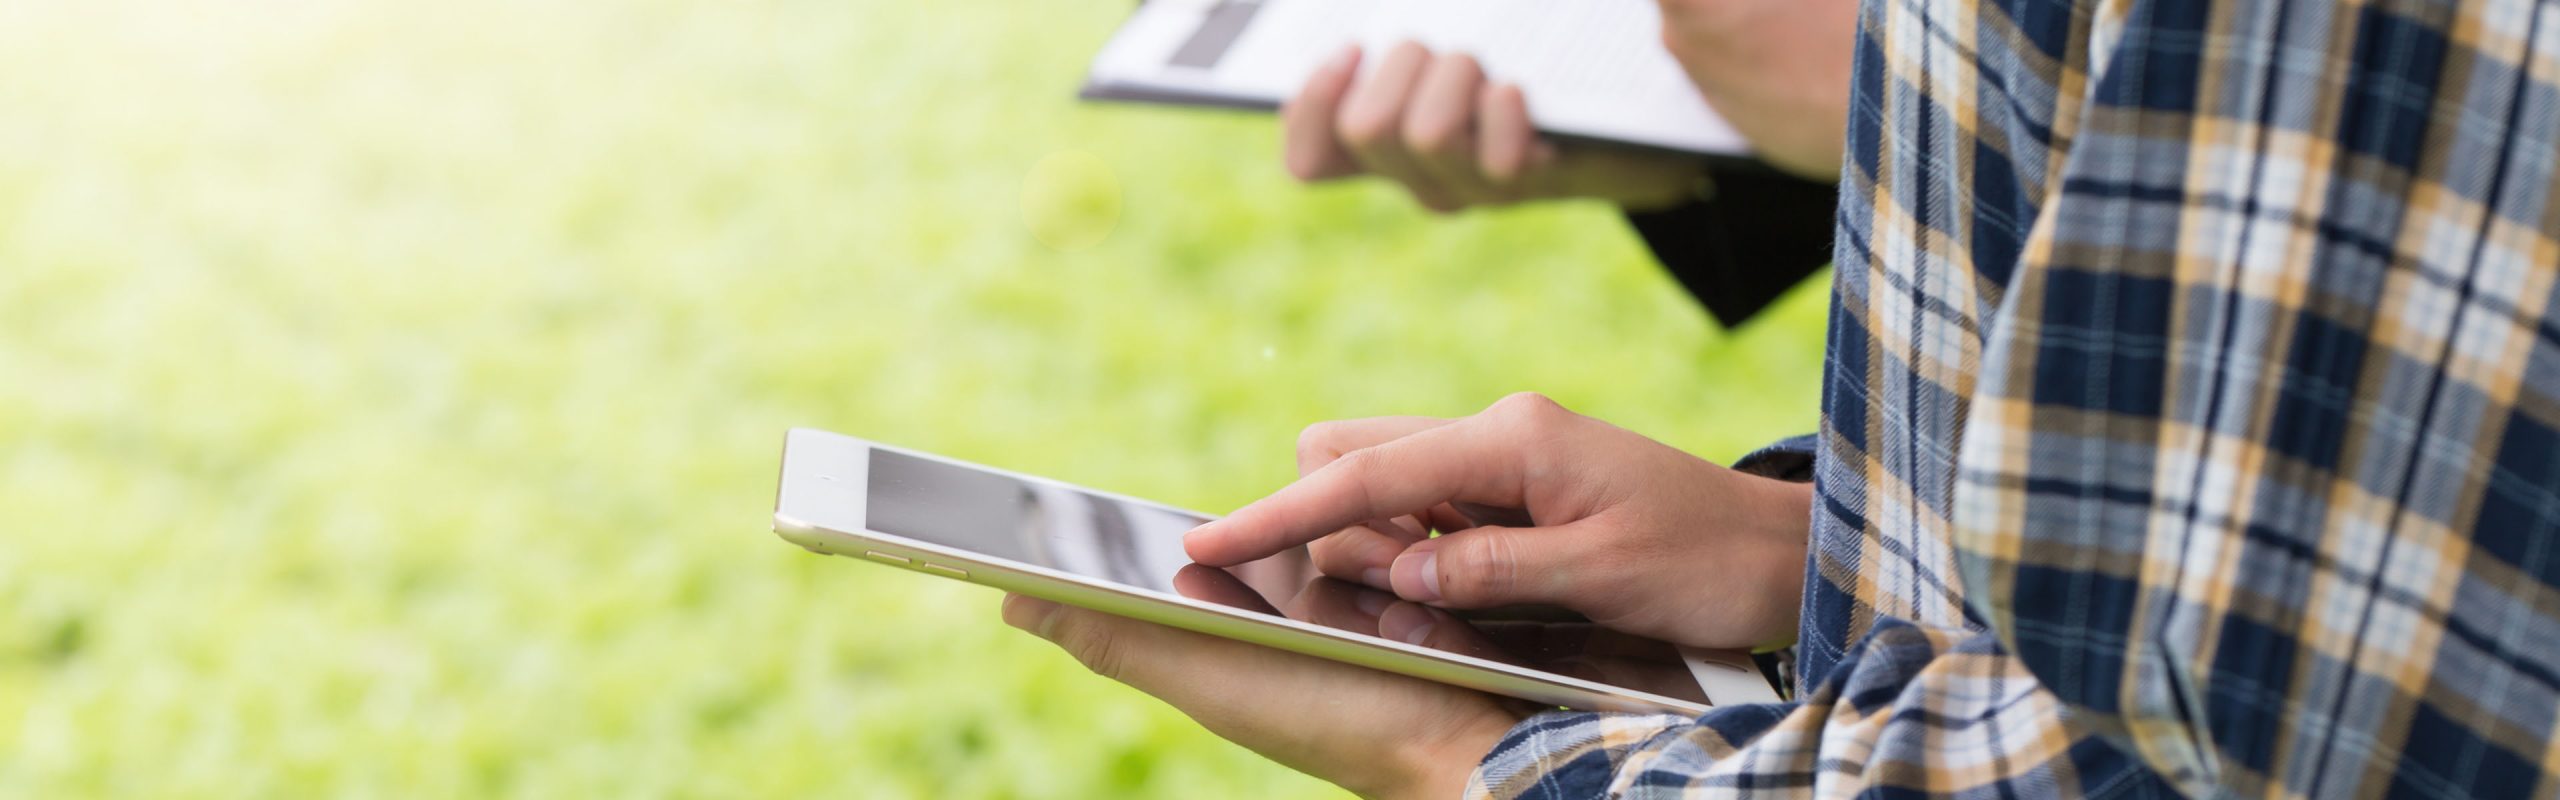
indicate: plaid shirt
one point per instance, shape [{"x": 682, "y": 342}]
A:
[{"x": 2192, "y": 420}]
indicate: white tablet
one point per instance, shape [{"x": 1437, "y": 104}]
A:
[{"x": 846, "y": 496}]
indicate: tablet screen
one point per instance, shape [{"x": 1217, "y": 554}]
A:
[{"x": 1140, "y": 545}]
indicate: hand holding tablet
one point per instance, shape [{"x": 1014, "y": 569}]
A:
[
  {"x": 1641, "y": 538},
  {"x": 1637, "y": 535}
]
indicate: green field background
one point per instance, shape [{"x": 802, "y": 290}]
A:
[{"x": 390, "y": 391}]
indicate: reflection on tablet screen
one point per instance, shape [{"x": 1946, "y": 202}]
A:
[{"x": 1140, "y": 546}]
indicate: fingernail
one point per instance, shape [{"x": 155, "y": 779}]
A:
[
  {"x": 1421, "y": 582},
  {"x": 1343, "y": 59},
  {"x": 1419, "y": 633},
  {"x": 1376, "y": 577}
]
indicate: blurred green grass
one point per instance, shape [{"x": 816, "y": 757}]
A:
[{"x": 390, "y": 392}]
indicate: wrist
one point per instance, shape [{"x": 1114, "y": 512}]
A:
[
  {"x": 1439, "y": 767},
  {"x": 1779, "y": 516}
]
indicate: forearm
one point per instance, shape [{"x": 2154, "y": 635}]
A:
[{"x": 1438, "y": 767}]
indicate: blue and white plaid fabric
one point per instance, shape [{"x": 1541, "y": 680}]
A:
[{"x": 2192, "y": 420}]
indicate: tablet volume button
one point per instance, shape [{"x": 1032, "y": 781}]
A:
[
  {"x": 944, "y": 571},
  {"x": 885, "y": 558}
]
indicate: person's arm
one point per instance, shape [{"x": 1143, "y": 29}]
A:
[
  {"x": 1736, "y": 234},
  {"x": 1628, "y": 533},
  {"x": 1437, "y": 124}
]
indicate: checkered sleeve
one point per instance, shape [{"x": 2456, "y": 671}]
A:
[{"x": 1911, "y": 709}]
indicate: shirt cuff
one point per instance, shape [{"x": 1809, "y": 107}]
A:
[
  {"x": 1563, "y": 754},
  {"x": 1790, "y": 459}
]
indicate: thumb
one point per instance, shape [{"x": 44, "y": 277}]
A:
[{"x": 1489, "y": 566}]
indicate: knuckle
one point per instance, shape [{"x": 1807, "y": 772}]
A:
[
  {"x": 1093, "y": 645},
  {"x": 1357, "y": 464},
  {"x": 1339, "y": 555},
  {"x": 1366, "y": 130},
  {"x": 1315, "y": 442},
  {"x": 1329, "y": 553},
  {"x": 1486, "y": 569},
  {"x": 1359, "y": 470},
  {"x": 1434, "y": 137},
  {"x": 1528, "y": 407}
]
